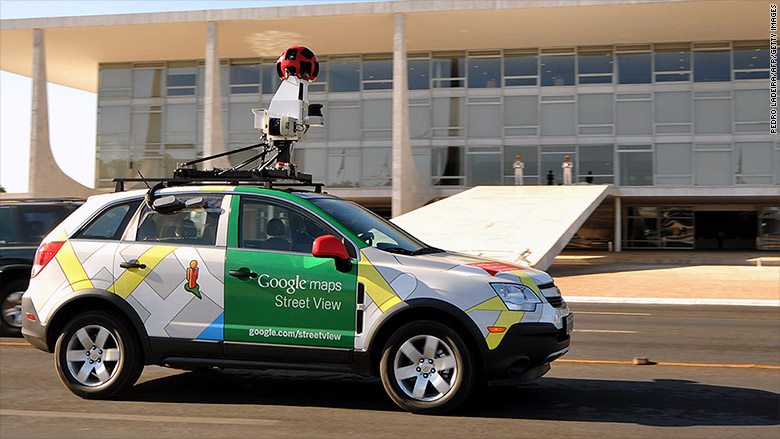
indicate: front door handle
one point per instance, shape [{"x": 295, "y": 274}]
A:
[
  {"x": 242, "y": 273},
  {"x": 132, "y": 264}
]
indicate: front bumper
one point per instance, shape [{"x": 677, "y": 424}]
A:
[
  {"x": 32, "y": 330},
  {"x": 525, "y": 352}
]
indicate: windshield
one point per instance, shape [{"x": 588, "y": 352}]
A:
[{"x": 371, "y": 228}]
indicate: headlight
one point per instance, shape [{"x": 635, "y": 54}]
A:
[{"x": 517, "y": 297}]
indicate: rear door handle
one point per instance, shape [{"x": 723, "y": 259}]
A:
[
  {"x": 242, "y": 273},
  {"x": 132, "y": 264}
]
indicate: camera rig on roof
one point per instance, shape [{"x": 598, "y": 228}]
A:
[{"x": 287, "y": 119}]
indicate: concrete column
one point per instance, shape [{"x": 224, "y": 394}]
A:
[
  {"x": 410, "y": 190},
  {"x": 618, "y": 225},
  {"x": 46, "y": 179},
  {"x": 213, "y": 139}
]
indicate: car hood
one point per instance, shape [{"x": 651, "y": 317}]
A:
[{"x": 467, "y": 265}]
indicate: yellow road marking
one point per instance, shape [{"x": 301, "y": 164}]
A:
[
  {"x": 138, "y": 418},
  {"x": 10, "y": 343},
  {"x": 663, "y": 363}
]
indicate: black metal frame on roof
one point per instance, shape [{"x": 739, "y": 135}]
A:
[{"x": 267, "y": 178}]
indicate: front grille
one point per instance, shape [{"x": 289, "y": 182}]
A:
[{"x": 555, "y": 301}]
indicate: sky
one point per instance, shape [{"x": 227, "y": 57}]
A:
[{"x": 73, "y": 113}]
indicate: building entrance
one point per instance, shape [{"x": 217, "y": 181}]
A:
[{"x": 731, "y": 230}]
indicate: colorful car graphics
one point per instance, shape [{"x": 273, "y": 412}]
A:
[{"x": 222, "y": 292}]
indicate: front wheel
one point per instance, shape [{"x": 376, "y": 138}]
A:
[
  {"x": 427, "y": 368},
  {"x": 97, "y": 356}
]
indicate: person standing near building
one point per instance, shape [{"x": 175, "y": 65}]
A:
[
  {"x": 567, "y": 166},
  {"x": 550, "y": 178},
  {"x": 518, "y": 165}
]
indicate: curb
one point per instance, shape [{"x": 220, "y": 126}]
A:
[{"x": 674, "y": 301}]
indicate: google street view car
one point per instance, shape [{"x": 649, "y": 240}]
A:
[{"x": 246, "y": 269}]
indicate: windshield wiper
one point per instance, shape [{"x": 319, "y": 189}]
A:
[
  {"x": 427, "y": 250},
  {"x": 399, "y": 250}
]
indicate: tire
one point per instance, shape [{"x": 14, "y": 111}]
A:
[
  {"x": 97, "y": 357},
  {"x": 11, "y": 308},
  {"x": 426, "y": 368}
]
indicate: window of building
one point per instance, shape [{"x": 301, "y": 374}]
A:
[
  {"x": 552, "y": 158},
  {"x": 419, "y": 118},
  {"x": 448, "y": 69},
  {"x": 676, "y": 227},
  {"x": 116, "y": 80},
  {"x": 712, "y": 112},
  {"x": 484, "y": 69},
  {"x": 318, "y": 86},
  {"x": 241, "y": 118},
  {"x": 483, "y": 165},
  {"x": 633, "y": 64},
  {"x": 147, "y": 125},
  {"x": 673, "y": 112},
  {"x": 447, "y": 166},
  {"x": 751, "y": 59},
  {"x": 343, "y": 121},
  {"x": 751, "y": 111},
  {"x": 557, "y": 67},
  {"x": 484, "y": 117},
  {"x": 557, "y": 115},
  {"x": 245, "y": 76},
  {"x": 377, "y": 166},
  {"x": 377, "y": 118},
  {"x": 674, "y": 164},
  {"x": 530, "y": 157},
  {"x": 634, "y": 113},
  {"x": 419, "y": 71},
  {"x": 270, "y": 79},
  {"x": 112, "y": 164},
  {"x": 343, "y": 167},
  {"x": 596, "y": 164},
  {"x": 672, "y": 62},
  {"x": 378, "y": 72},
  {"x": 181, "y": 78},
  {"x": 595, "y": 113},
  {"x": 147, "y": 80},
  {"x": 521, "y": 115},
  {"x": 113, "y": 125},
  {"x": 712, "y": 164},
  {"x": 635, "y": 165},
  {"x": 641, "y": 227},
  {"x": 711, "y": 62},
  {"x": 180, "y": 122},
  {"x": 753, "y": 162},
  {"x": 311, "y": 160},
  {"x": 343, "y": 75},
  {"x": 448, "y": 116},
  {"x": 521, "y": 67},
  {"x": 594, "y": 65}
]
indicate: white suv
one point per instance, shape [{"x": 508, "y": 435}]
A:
[{"x": 244, "y": 277}]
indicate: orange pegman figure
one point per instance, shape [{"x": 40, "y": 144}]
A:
[{"x": 192, "y": 279}]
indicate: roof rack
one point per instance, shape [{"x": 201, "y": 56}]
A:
[{"x": 267, "y": 178}]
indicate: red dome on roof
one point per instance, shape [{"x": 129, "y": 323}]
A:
[{"x": 298, "y": 61}]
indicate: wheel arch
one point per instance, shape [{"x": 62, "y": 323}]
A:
[
  {"x": 95, "y": 300},
  {"x": 426, "y": 309}
]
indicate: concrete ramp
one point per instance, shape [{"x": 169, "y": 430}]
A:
[{"x": 526, "y": 225}]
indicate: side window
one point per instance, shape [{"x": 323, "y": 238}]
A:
[
  {"x": 268, "y": 225},
  {"x": 110, "y": 223},
  {"x": 195, "y": 225}
]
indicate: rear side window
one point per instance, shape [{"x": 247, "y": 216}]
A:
[
  {"x": 192, "y": 225},
  {"x": 110, "y": 223},
  {"x": 28, "y": 224}
]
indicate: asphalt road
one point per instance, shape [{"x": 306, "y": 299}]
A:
[{"x": 701, "y": 386}]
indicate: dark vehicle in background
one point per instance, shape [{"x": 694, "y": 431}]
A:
[{"x": 23, "y": 225}]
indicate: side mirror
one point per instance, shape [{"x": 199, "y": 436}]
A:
[{"x": 328, "y": 246}]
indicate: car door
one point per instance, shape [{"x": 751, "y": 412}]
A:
[
  {"x": 276, "y": 292},
  {"x": 170, "y": 268}
]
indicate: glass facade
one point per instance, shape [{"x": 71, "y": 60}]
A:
[{"x": 682, "y": 114}]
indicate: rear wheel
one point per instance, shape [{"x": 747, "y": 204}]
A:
[
  {"x": 426, "y": 368},
  {"x": 11, "y": 306},
  {"x": 97, "y": 356}
]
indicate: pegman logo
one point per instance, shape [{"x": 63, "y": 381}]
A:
[{"x": 192, "y": 280}]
